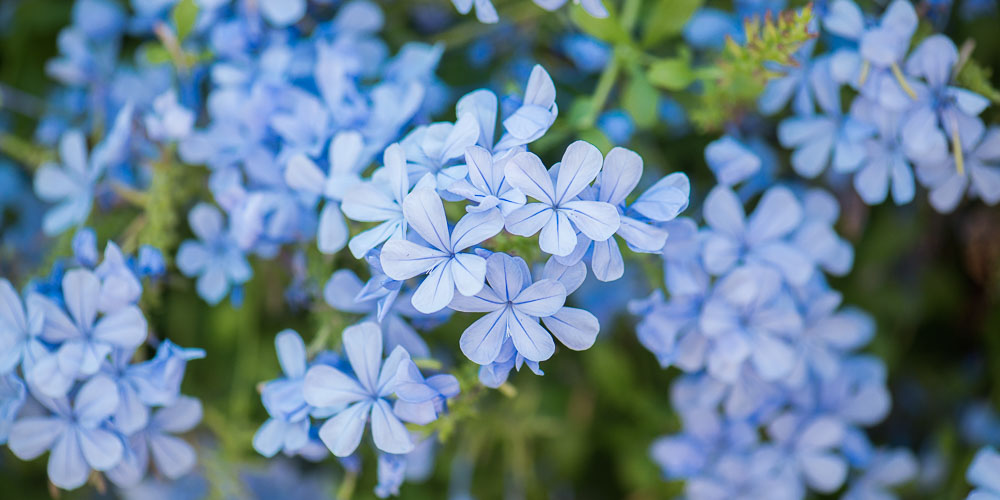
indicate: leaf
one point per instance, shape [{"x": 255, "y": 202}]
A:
[
  {"x": 667, "y": 19},
  {"x": 977, "y": 78},
  {"x": 671, "y": 74},
  {"x": 640, "y": 100},
  {"x": 155, "y": 53},
  {"x": 607, "y": 29},
  {"x": 185, "y": 14}
]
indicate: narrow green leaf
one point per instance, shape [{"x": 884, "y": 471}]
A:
[
  {"x": 667, "y": 19},
  {"x": 185, "y": 13}
]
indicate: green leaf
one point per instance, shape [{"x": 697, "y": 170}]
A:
[
  {"x": 607, "y": 29},
  {"x": 640, "y": 99},
  {"x": 155, "y": 53},
  {"x": 667, "y": 19},
  {"x": 671, "y": 74},
  {"x": 184, "y": 15}
]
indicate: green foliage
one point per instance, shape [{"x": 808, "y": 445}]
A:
[
  {"x": 184, "y": 15},
  {"x": 744, "y": 70},
  {"x": 977, "y": 78},
  {"x": 673, "y": 73},
  {"x": 639, "y": 99},
  {"x": 666, "y": 19}
]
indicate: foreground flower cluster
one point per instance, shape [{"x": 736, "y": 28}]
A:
[{"x": 250, "y": 139}]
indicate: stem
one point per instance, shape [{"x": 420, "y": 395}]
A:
[
  {"x": 346, "y": 490},
  {"x": 24, "y": 152},
  {"x": 604, "y": 85}
]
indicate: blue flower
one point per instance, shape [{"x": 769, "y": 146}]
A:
[
  {"x": 83, "y": 341},
  {"x": 303, "y": 175},
  {"x": 288, "y": 426},
  {"x": 77, "y": 435},
  {"x": 119, "y": 285},
  {"x": 282, "y": 13},
  {"x": 887, "y": 469},
  {"x": 71, "y": 184},
  {"x": 172, "y": 456},
  {"x": 980, "y": 175},
  {"x": 381, "y": 200},
  {"x": 534, "y": 114},
  {"x": 434, "y": 149},
  {"x": 731, "y": 239},
  {"x": 487, "y": 183},
  {"x": 514, "y": 306},
  {"x": 421, "y": 400},
  {"x": 588, "y": 54},
  {"x": 20, "y": 327},
  {"x": 617, "y": 125},
  {"x": 168, "y": 120},
  {"x": 558, "y": 213},
  {"x": 85, "y": 247},
  {"x": 730, "y": 161},
  {"x": 215, "y": 259},
  {"x": 364, "y": 396},
  {"x": 812, "y": 444},
  {"x": 447, "y": 266},
  {"x": 157, "y": 381},
  {"x": 150, "y": 263},
  {"x": 345, "y": 292},
  {"x": 984, "y": 474}
]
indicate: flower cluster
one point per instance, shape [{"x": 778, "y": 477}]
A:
[
  {"x": 908, "y": 119},
  {"x": 74, "y": 380},
  {"x": 775, "y": 396}
]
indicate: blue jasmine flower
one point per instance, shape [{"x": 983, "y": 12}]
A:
[
  {"x": 811, "y": 443},
  {"x": 731, "y": 238},
  {"x": 980, "y": 424},
  {"x": 794, "y": 85},
  {"x": 381, "y": 200},
  {"x": 326, "y": 386},
  {"x": 888, "y": 468},
  {"x": 887, "y": 156},
  {"x": 576, "y": 328},
  {"x": 980, "y": 174},
  {"x": 587, "y": 53},
  {"x": 984, "y": 474},
  {"x": 660, "y": 203},
  {"x": 168, "y": 120},
  {"x": 817, "y": 237},
  {"x": 749, "y": 318},
  {"x": 71, "y": 184},
  {"x": 303, "y": 123},
  {"x": 214, "y": 258},
  {"x": 482, "y": 105},
  {"x": 85, "y": 247},
  {"x": 20, "y": 327},
  {"x": 12, "y": 397},
  {"x": 442, "y": 258},
  {"x": 77, "y": 435},
  {"x": 119, "y": 285},
  {"x": 392, "y": 468},
  {"x": 303, "y": 175},
  {"x": 157, "y": 381},
  {"x": 288, "y": 426},
  {"x": 514, "y": 305},
  {"x": 669, "y": 329},
  {"x": 593, "y": 7},
  {"x": 150, "y": 263},
  {"x": 100, "y": 20},
  {"x": 282, "y": 13},
  {"x": 421, "y": 400},
  {"x": 486, "y": 182},
  {"x": 432, "y": 149},
  {"x": 380, "y": 286},
  {"x": 83, "y": 340},
  {"x": 617, "y": 125},
  {"x": 534, "y": 114},
  {"x": 485, "y": 11},
  {"x": 874, "y": 66},
  {"x": 708, "y": 28},
  {"x": 955, "y": 109},
  {"x": 558, "y": 213},
  {"x": 345, "y": 292},
  {"x": 172, "y": 456},
  {"x": 818, "y": 139},
  {"x": 731, "y": 161}
]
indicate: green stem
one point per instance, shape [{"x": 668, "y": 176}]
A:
[
  {"x": 23, "y": 151},
  {"x": 605, "y": 83},
  {"x": 346, "y": 490},
  {"x": 630, "y": 14}
]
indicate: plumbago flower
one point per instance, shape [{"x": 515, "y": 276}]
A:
[
  {"x": 979, "y": 175},
  {"x": 486, "y": 183},
  {"x": 362, "y": 397},
  {"x": 447, "y": 266},
  {"x": 661, "y": 203},
  {"x": 72, "y": 184},
  {"x": 381, "y": 200},
  {"x": 304, "y": 175},
  {"x": 20, "y": 327},
  {"x": 533, "y": 116},
  {"x": 984, "y": 474},
  {"x": 288, "y": 426},
  {"x": 559, "y": 213},
  {"x": 216, "y": 259},
  {"x": 514, "y": 305}
]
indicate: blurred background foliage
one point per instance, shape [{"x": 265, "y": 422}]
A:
[{"x": 931, "y": 281}]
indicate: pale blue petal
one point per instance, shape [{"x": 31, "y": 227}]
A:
[
  {"x": 402, "y": 259},
  {"x": 326, "y": 386},
  {"x": 575, "y": 328},
  {"x": 363, "y": 346},
  {"x": 482, "y": 340},
  {"x": 531, "y": 340},
  {"x": 541, "y": 299},
  {"x": 526, "y": 172},
  {"x": 342, "y": 433},
  {"x": 291, "y": 353},
  {"x": 424, "y": 211},
  {"x": 436, "y": 290},
  {"x": 390, "y": 435},
  {"x": 579, "y": 167}
]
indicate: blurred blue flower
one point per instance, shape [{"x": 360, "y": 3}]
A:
[
  {"x": 984, "y": 474},
  {"x": 214, "y": 258},
  {"x": 172, "y": 456}
]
